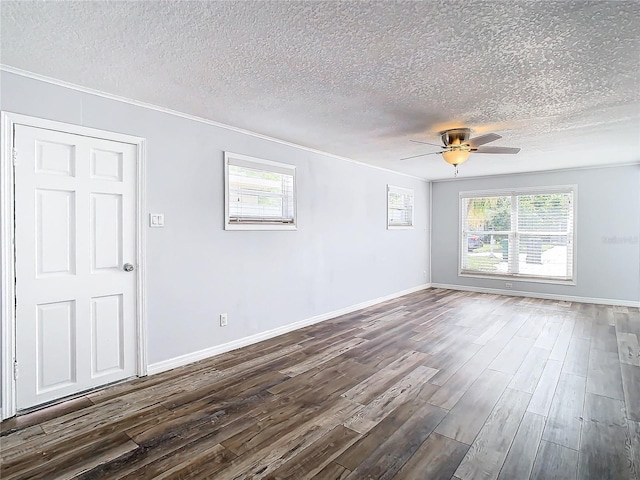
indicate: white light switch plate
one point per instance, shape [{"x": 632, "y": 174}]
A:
[{"x": 156, "y": 220}]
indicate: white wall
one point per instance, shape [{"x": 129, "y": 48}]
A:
[
  {"x": 607, "y": 232},
  {"x": 341, "y": 255}
]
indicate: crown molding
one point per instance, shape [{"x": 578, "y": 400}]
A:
[{"x": 110, "y": 96}]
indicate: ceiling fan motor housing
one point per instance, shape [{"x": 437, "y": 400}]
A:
[{"x": 455, "y": 136}]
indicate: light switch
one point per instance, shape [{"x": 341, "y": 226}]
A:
[{"x": 156, "y": 220}]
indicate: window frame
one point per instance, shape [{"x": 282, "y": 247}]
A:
[
  {"x": 513, "y": 233},
  {"x": 260, "y": 164},
  {"x": 403, "y": 191}
]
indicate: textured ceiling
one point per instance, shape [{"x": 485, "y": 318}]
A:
[{"x": 360, "y": 79}]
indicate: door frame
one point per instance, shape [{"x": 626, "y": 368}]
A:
[{"x": 8, "y": 120}]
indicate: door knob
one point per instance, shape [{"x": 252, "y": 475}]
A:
[{"x": 128, "y": 267}]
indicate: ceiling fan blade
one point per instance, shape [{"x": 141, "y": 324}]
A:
[
  {"x": 426, "y": 143},
  {"x": 482, "y": 139},
  {"x": 510, "y": 150},
  {"x": 421, "y": 155}
]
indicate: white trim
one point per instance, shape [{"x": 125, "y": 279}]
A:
[
  {"x": 110, "y": 96},
  {"x": 249, "y": 162},
  {"x": 8, "y": 269},
  {"x": 544, "y": 296},
  {"x": 8, "y": 121},
  {"x": 175, "y": 362},
  {"x": 510, "y": 192},
  {"x": 516, "y": 277},
  {"x": 430, "y": 229},
  {"x": 20, "y": 119},
  {"x": 259, "y": 226},
  {"x": 400, "y": 190},
  {"x": 141, "y": 239}
]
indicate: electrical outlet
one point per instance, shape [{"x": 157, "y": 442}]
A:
[
  {"x": 424, "y": 274},
  {"x": 508, "y": 285},
  {"x": 223, "y": 319}
]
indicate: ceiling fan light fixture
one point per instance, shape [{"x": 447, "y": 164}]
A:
[
  {"x": 458, "y": 145},
  {"x": 456, "y": 157}
]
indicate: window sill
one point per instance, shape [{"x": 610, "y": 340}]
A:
[
  {"x": 258, "y": 226},
  {"x": 517, "y": 278}
]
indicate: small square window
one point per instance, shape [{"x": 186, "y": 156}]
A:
[
  {"x": 399, "y": 207},
  {"x": 259, "y": 194}
]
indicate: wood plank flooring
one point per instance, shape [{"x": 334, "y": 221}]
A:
[{"x": 434, "y": 385}]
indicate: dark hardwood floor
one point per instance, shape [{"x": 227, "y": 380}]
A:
[{"x": 434, "y": 385}]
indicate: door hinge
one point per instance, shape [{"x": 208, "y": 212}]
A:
[
  {"x": 15, "y": 370},
  {"x": 14, "y": 156}
]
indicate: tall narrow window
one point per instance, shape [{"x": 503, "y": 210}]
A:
[
  {"x": 521, "y": 233},
  {"x": 399, "y": 207},
  {"x": 260, "y": 194}
]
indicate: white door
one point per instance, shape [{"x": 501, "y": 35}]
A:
[{"x": 75, "y": 205}]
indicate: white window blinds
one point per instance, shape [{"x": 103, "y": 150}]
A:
[
  {"x": 520, "y": 233},
  {"x": 259, "y": 192},
  {"x": 399, "y": 207}
]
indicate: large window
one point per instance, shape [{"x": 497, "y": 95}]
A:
[
  {"x": 521, "y": 233},
  {"x": 399, "y": 207},
  {"x": 260, "y": 195}
]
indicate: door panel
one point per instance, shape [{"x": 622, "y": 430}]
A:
[
  {"x": 107, "y": 332},
  {"x": 74, "y": 229},
  {"x": 106, "y": 231},
  {"x": 56, "y": 346},
  {"x": 106, "y": 165},
  {"x": 55, "y": 232},
  {"x": 55, "y": 158}
]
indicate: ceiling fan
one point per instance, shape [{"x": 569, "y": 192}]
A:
[{"x": 458, "y": 146}]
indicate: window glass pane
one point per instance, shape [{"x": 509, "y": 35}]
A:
[
  {"x": 486, "y": 253},
  {"x": 259, "y": 195},
  {"x": 400, "y": 207},
  {"x": 488, "y": 214},
  {"x": 543, "y": 255},
  {"x": 544, "y": 213},
  {"x": 546, "y": 254}
]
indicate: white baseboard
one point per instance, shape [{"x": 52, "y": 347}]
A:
[
  {"x": 545, "y": 296},
  {"x": 175, "y": 362}
]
